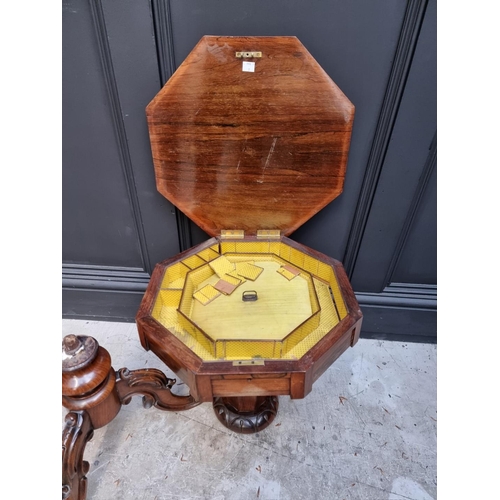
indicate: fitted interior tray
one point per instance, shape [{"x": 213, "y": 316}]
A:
[{"x": 249, "y": 300}]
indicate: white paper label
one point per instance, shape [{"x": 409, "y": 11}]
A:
[{"x": 248, "y": 66}]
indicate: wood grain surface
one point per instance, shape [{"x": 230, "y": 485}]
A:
[{"x": 250, "y": 150}]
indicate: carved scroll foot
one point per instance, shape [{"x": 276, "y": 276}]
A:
[
  {"x": 154, "y": 386},
  {"x": 246, "y": 415},
  {"x": 77, "y": 433}
]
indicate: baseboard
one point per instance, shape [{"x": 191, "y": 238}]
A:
[
  {"x": 102, "y": 293},
  {"x": 401, "y": 312},
  {"x": 85, "y": 277}
]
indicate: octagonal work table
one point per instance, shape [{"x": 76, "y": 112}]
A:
[{"x": 250, "y": 139}]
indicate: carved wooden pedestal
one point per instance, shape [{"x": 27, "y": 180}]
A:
[
  {"x": 246, "y": 415},
  {"x": 248, "y": 181},
  {"x": 94, "y": 394}
]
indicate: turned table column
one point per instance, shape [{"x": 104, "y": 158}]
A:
[{"x": 248, "y": 414}]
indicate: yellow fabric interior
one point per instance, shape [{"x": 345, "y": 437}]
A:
[{"x": 288, "y": 319}]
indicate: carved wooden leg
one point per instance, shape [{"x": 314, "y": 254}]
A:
[
  {"x": 77, "y": 433},
  {"x": 95, "y": 393},
  {"x": 154, "y": 386},
  {"x": 246, "y": 415}
]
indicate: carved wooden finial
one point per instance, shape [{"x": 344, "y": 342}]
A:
[
  {"x": 71, "y": 344},
  {"x": 78, "y": 352}
]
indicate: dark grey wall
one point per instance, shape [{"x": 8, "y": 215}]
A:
[{"x": 116, "y": 55}]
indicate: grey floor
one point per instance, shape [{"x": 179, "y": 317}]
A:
[{"x": 367, "y": 431}]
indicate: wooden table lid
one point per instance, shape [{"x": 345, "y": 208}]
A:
[{"x": 247, "y": 142}]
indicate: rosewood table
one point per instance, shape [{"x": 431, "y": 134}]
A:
[{"x": 250, "y": 139}]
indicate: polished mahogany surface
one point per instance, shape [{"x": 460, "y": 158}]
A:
[{"x": 236, "y": 149}]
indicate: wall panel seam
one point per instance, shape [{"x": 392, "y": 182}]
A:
[
  {"x": 405, "y": 49},
  {"x": 118, "y": 125},
  {"x": 162, "y": 22},
  {"x": 427, "y": 171}
]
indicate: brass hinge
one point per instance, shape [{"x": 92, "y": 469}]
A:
[
  {"x": 248, "y": 55},
  {"x": 232, "y": 234},
  {"x": 268, "y": 234}
]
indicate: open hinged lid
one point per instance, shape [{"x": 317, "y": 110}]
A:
[{"x": 250, "y": 134}]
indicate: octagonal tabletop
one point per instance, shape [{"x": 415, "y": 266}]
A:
[{"x": 253, "y": 142}]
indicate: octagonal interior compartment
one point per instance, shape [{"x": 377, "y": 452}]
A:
[
  {"x": 280, "y": 305},
  {"x": 287, "y": 320}
]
